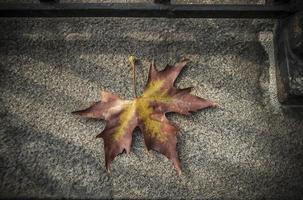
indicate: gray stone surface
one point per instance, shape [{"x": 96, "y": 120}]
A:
[{"x": 249, "y": 148}]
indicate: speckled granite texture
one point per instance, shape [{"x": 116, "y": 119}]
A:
[{"x": 249, "y": 148}]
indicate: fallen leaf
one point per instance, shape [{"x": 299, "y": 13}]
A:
[{"x": 146, "y": 112}]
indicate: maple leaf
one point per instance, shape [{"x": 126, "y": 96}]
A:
[{"x": 146, "y": 112}]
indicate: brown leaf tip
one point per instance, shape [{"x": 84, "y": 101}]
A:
[{"x": 215, "y": 105}]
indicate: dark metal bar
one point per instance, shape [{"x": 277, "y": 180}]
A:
[
  {"x": 146, "y": 10},
  {"x": 49, "y": 1},
  {"x": 162, "y": 1},
  {"x": 277, "y": 2}
]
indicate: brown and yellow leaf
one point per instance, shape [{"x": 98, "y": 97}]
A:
[{"x": 146, "y": 112}]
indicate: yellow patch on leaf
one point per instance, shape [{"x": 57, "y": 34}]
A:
[
  {"x": 151, "y": 126},
  {"x": 142, "y": 106},
  {"x": 126, "y": 116}
]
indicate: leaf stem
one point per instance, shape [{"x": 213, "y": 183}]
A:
[{"x": 132, "y": 61}]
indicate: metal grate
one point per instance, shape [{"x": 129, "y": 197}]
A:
[{"x": 159, "y": 8}]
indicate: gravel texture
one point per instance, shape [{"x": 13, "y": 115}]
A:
[{"x": 248, "y": 148}]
